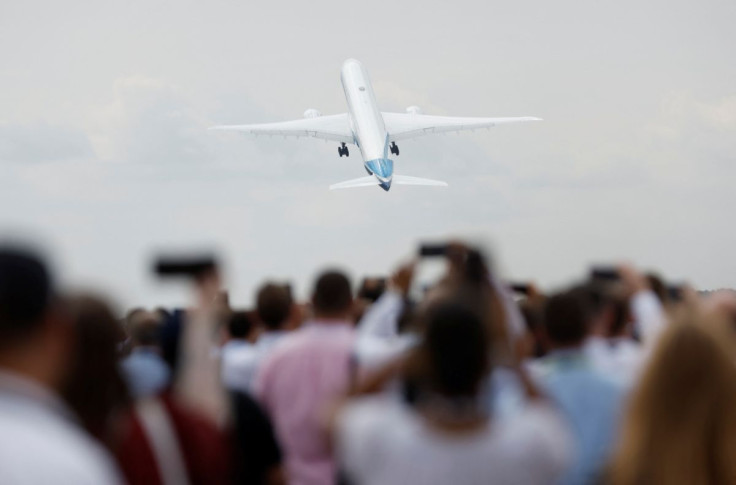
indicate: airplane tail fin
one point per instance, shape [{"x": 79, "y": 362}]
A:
[
  {"x": 406, "y": 180},
  {"x": 397, "y": 179}
]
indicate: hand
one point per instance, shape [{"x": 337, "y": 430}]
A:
[
  {"x": 632, "y": 278},
  {"x": 402, "y": 279}
]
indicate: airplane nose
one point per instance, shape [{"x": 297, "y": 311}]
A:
[{"x": 385, "y": 184}]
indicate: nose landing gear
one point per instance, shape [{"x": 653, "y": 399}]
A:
[
  {"x": 394, "y": 148},
  {"x": 343, "y": 150}
]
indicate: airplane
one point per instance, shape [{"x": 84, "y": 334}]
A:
[{"x": 375, "y": 133}]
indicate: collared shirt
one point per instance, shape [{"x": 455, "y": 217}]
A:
[
  {"x": 296, "y": 384},
  {"x": 240, "y": 363},
  {"x": 40, "y": 443},
  {"x": 592, "y": 404},
  {"x": 145, "y": 372}
]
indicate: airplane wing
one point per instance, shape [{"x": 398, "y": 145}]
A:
[
  {"x": 333, "y": 128},
  {"x": 402, "y": 126}
]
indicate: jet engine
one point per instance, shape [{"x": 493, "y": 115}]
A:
[
  {"x": 414, "y": 110},
  {"x": 312, "y": 113}
]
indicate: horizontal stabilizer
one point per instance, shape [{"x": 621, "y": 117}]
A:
[
  {"x": 361, "y": 182},
  {"x": 397, "y": 179},
  {"x": 406, "y": 180}
]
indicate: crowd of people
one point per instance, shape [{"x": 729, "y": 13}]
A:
[{"x": 612, "y": 380}]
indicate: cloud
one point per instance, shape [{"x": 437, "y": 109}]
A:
[{"x": 42, "y": 142}]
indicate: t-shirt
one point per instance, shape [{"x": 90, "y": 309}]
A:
[{"x": 383, "y": 441}]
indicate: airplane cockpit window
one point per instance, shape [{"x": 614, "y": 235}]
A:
[{"x": 362, "y": 88}]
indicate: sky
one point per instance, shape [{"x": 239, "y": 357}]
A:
[{"x": 105, "y": 157}]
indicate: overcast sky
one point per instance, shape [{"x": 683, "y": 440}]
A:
[{"x": 104, "y": 153}]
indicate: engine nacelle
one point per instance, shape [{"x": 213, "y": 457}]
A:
[
  {"x": 312, "y": 113},
  {"x": 414, "y": 110}
]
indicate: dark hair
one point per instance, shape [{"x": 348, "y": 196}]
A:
[
  {"x": 144, "y": 328},
  {"x": 239, "y": 325},
  {"x": 273, "y": 304},
  {"x": 455, "y": 349},
  {"x": 656, "y": 283},
  {"x": 95, "y": 389},
  {"x": 332, "y": 294},
  {"x": 25, "y": 292},
  {"x": 565, "y": 318}
]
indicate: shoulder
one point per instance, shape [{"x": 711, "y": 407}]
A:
[
  {"x": 58, "y": 450},
  {"x": 365, "y": 427},
  {"x": 363, "y": 417},
  {"x": 540, "y": 434}
]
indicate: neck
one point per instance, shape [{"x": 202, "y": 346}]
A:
[
  {"x": 332, "y": 318},
  {"x": 557, "y": 347},
  {"x": 28, "y": 365}
]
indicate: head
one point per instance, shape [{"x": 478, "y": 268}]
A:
[
  {"x": 332, "y": 298},
  {"x": 240, "y": 326},
  {"x": 533, "y": 313},
  {"x": 681, "y": 419},
  {"x": 453, "y": 357},
  {"x": 95, "y": 389},
  {"x": 35, "y": 336},
  {"x": 274, "y": 306},
  {"x": 607, "y": 309},
  {"x": 656, "y": 283},
  {"x": 565, "y": 320},
  {"x": 144, "y": 329}
]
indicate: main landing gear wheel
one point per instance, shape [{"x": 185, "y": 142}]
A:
[
  {"x": 343, "y": 150},
  {"x": 394, "y": 148}
]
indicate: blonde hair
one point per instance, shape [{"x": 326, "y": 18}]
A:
[{"x": 680, "y": 425}]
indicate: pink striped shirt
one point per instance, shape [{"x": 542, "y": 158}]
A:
[{"x": 303, "y": 375}]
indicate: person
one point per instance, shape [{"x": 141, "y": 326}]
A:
[
  {"x": 41, "y": 441},
  {"x": 589, "y": 400},
  {"x": 610, "y": 345},
  {"x": 95, "y": 389},
  {"x": 274, "y": 308},
  {"x": 381, "y": 337},
  {"x": 680, "y": 422},
  {"x": 304, "y": 374},
  {"x": 619, "y": 311},
  {"x": 240, "y": 328},
  {"x": 442, "y": 431},
  {"x": 145, "y": 371}
]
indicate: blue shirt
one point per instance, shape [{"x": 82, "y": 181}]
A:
[
  {"x": 145, "y": 372},
  {"x": 592, "y": 404}
]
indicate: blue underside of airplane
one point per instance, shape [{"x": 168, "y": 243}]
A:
[{"x": 383, "y": 169}]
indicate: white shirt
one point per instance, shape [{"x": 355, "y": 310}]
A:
[
  {"x": 240, "y": 363},
  {"x": 39, "y": 442},
  {"x": 620, "y": 359},
  {"x": 378, "y": 341},
  {"x": 382, "y": 441}
]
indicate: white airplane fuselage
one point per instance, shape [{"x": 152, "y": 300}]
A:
[{"x": 366, "y": 122}]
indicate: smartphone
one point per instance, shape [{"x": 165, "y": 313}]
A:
[
  {"x": 432, "y": 250},
  {"x": 604, "y": 273},
  {"x": 520, "y": 288},
  {"x": 187, "y": 267}
]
